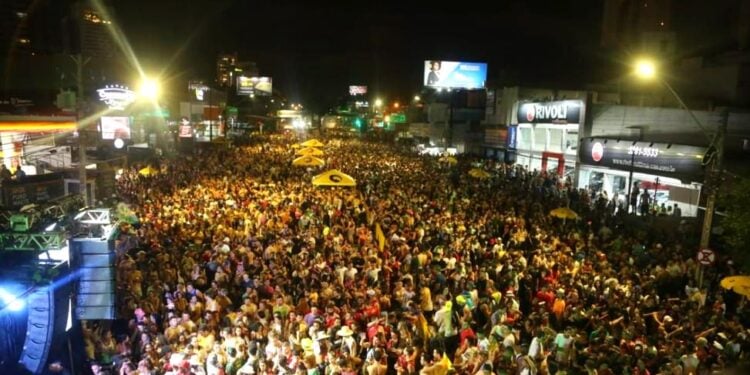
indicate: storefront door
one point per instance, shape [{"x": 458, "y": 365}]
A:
[{"x": 560, "y": 158}]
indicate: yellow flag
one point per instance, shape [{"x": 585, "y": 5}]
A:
[{"x": 381, "y": 237}]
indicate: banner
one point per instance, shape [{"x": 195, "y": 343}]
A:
[{"x": 381, "y": 237}]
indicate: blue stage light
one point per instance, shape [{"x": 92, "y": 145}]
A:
[{"x": 11, "y": 302}]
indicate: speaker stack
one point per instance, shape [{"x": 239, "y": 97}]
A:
[{"x": 94, "y": 260}]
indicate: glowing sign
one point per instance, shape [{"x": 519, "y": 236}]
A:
[{"x": 116, "y": 96}]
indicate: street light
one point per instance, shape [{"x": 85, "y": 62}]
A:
[
  {"x": 396, "y": 105},
  {"x": 149, "y": 89},
  {"x": 646, "y": 69},
  {"x": 378, "y": 102},
  {"x": 417, "y": 98}
]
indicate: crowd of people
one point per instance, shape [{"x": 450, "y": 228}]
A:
[{"x": 243, "y": 267}]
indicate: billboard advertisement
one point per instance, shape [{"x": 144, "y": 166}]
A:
[
  {"x": 115, "y": 127},
  {"x": 254, "y": 85},
  {"x": 679, "y": 161},
  {"x": 357, "y": 90},
  {"x": 454, "y": 74}
]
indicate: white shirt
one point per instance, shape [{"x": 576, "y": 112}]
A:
[{"x": 535, "y": 349}]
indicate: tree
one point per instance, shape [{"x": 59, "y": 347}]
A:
[{"x": 737, "y": 222}]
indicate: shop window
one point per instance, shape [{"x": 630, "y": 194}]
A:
[
  {"x": 571, "y": 141},
  {"x": 555, "y": 140},
  {"x": 596, "y": 181},
  {"x": 540, "y": 139},
  {"x": 620, "y": 185},
  {"x": 524, "y": 138}
]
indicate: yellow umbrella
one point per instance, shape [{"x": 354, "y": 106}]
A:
[
  {"x": 312, "y": 143},
  {"x": 732, "y": 282},
  {"x": 449, "y": 160},
  {"x": 479, "y": 173},
  {"x": 308, "y": 161},
  {"x": 563, "y": 213},
  {"x": 334, "y": 178},
  {"x": 148, "y": 171},
  {"x": 310, "y": 151},
  {"x": 296, "y": 146}
]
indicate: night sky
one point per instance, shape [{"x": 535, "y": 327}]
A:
[{"x": 314, "y": 51}]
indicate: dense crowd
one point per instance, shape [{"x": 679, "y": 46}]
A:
[{"x": 243, "y": 267}]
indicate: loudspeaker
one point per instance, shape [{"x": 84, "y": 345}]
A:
[
  {"x": 39, "y": 330},
  {"x": 94, "y": 260}
]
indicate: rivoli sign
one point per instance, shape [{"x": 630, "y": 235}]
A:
[{"x": 559, "y": 112}]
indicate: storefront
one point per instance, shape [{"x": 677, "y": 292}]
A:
[
  {"x": 672, "y": 174},
  {"x": 547, "y": 135}
]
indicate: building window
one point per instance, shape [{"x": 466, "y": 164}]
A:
[
  {"x": 21, "y": 14},
  {"x": 24, "y": 40},
  {"x": 540, "y": 139},
  {"x": 555, "y": 140},
  {"x": 524, "y": 138},
  {"x": 571, "y": 141}
]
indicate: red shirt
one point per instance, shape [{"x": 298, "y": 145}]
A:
[{"x": 548, "y": 297}]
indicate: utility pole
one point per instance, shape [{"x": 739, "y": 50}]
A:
[
  {"x": 712, "y": 183},
  {"x": 449, "y": 135},
  {"x": 80, "y": 62}
]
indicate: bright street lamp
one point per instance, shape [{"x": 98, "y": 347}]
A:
[
  {"x": 645, "y": 69},
  {"x": 396, "y": 105},
  {"x": 149, "y": 89},
  {"x": 417, "y": 98},
  {"x": 378, "y": 102}
]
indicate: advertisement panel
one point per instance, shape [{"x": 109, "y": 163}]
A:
[
  {"x": 357, "y": 90},
  {"x": 116, "y": 96},
  {"x": 254, "y": 85},
  {"x": 455, "y": 74},
  {"x": 679, "y": 161},
  {"x": 512, "y": 138},
  {"x": 559, "y": 112},
  {"x": 115, "y": 127},
  {"x": 186, "y": 131}
]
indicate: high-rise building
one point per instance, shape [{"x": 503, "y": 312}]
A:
[
  {"x": 92, "y": 34},
  {"x": 32, "y": 27},
  {"x": 14, "y": 31},
  {"x": 228, "y": 68},
  {"x": 224, "y": 66}
]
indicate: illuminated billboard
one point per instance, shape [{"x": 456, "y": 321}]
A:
[
  {"x": 454, "y": 74},
  {"x": 357, "y": 90},
  {"x": 115, "y": 127},
  {"x": 254, "y": 85}
]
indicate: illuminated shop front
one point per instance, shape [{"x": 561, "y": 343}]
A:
[
  {"x": 672, "y": 174},
  {"x": 547, "y": 135}
]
